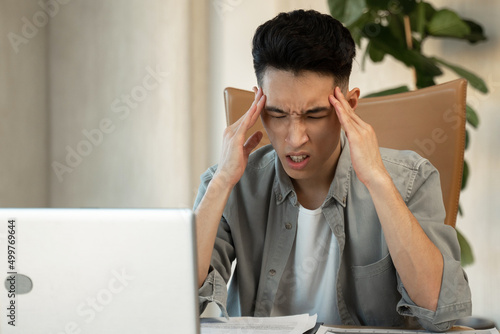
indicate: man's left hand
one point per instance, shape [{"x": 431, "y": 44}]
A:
[{"x": 365, "y": 154}]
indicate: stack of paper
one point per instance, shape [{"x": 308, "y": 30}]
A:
[{"x": 296, "y": 324}]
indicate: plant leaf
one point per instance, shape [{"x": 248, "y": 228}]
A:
[
  {"x": 476, "y": 32},
  {"x": 418, "y": 19},
  {"x": 400, "y": 6},
  {"x": 388, "y": 43},
  {"x": 396, "y": 26},
  {"x": 376, "y": 55},
  {"x": 408, "y": 6},
  {"x": 429, "y": 10},
  {"x": 356, "y": 28},
  {"x": 377, "y": 4},
  {"x": 391, "y": 91},
  {"x": 346, "y": 11},
  {"x": 471, "y": 116},
  {"x": 472, "y": 78},
  {"x": 465, "y": 175},
  {"x": 448, "y": 24},
  {"x": 466, "y": 255},
  {"x": 424, "y": 80}
]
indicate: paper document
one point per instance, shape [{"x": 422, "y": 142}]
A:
[
  {"x": 296, "y": 324},
  {"x": 333, "y": 330}
]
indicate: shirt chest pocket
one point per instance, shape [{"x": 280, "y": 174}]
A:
[{"x": 375, "y": 293}]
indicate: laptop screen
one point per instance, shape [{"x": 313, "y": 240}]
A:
[{"x": 98, "y": 271}]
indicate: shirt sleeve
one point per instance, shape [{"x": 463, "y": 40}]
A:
[
  {"x": 214, "y": 288},
  {"x": 426, "y": 203}
]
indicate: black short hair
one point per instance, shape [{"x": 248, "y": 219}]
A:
[{"x": 304, "y": 40}]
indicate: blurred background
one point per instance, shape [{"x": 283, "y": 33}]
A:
[{"x": 119, "y": 103}]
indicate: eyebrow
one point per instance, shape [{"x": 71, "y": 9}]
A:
[{"x": 309, "y": 111}]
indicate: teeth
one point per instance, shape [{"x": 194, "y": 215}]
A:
[{"x": 298, "y": 158}]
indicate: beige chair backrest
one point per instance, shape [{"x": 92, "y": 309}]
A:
[{"x": 430, "y": 121}]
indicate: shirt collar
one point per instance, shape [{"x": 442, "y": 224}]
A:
[
  {"x": 283, "y": 186},
  {"x": 340, "y": 184}
]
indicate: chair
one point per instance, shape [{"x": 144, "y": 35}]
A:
[{"x": 430, "y": 121}]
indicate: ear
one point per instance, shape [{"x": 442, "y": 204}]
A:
[{"x": 352, "y": 97}]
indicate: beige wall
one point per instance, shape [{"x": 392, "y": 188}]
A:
[
  {"x": 231, "y": 65},
  {"x": 98, "y": 103},
  {"x": 120, "y": 116},
  {"x": 23, "y": 106}
]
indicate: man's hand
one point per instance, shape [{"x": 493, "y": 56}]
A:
[
  {"x": 235, "y": 150},
  {"x": 417, "y": 260},
  {"x": 232, "y": 164},
  {"x": 365, "y": 154}
]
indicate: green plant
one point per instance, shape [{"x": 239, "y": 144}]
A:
[{"x": 398, "y": 28}]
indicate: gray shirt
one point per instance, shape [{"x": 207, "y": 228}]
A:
[{"x": 258, "y": 228}]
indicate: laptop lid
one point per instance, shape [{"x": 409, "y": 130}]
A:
[{"x": 98, "y": 271}]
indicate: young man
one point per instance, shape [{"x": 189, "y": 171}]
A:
[{"x": 322, "y": 220}]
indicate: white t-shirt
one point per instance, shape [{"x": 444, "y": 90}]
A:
[{"x": 308, "y": 284}]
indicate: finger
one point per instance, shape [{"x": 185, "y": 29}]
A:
[
  {"x": 241, "y": 127},
  {"x": 249, "y": 111},
  {"x": 253, "y": 113},
  {"x": 252, "y": 142},
  {"x": 347, "y": 107},
  {"x": 260, "y": 106},
  {"x": 339, "y": 96},
  {"x": 344, "y": 118}
]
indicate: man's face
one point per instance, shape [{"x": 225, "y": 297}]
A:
[{"x": 302, "y": 124}]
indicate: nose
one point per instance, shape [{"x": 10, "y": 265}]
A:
[{"x": 297, "y": 133}]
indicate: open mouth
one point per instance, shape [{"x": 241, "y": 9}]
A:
[
  {"x": 298, "y": 161},
  {"x": 298, "y": 158}
]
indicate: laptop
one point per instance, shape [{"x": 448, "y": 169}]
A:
[{"x": 98, "y": 271}]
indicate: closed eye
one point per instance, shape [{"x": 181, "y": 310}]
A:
[
  {"x": 313, "y": 114},
  {"x": 276, "y": 114}
]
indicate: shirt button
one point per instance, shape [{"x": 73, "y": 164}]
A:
[
  {"x": 280, "y": 197},
  {"x": 288, "y": 226},
  {"x": 272, "y": 272},
  {"x": 338, "y": 230}
]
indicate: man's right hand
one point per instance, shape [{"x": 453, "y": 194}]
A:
[
  {"x": 235, "y": 149},
  {"x": 232, "y": 164}
]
